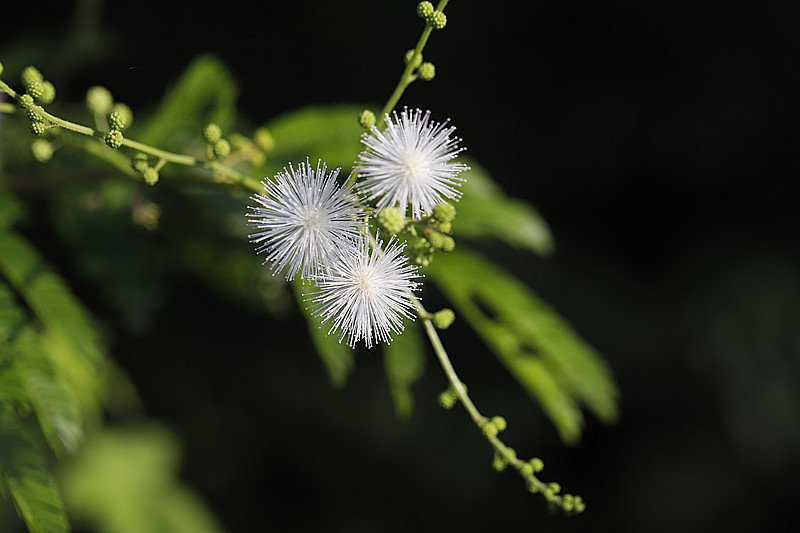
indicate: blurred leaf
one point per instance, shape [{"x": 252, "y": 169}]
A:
[
  {"x": 538, "y": 347},
  {"x": 26, "y": 480},
  {"x": 11, "y": 210},
  {"x": 206, "y": 92},
  {"x": 404, "y": 361},
  {"x": 126, "y": 481},
  {"x": 330, "y": 133},
  {"x": 484, "y": 211},
  {"x": 338, "y": 358}
]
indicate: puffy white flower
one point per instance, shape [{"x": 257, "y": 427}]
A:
[
  {"x": 304, "y": 218},
  {"x": 409, "y": 163},
  {"x": 365, "y": 293}
]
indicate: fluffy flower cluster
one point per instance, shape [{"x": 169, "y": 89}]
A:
[{"x": 309, "y": 225}]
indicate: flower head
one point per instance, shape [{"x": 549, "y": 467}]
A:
[
  {"x": 304, "y": 217},
  {"x": 365, "y": 293},
  {"x": 410, "y": 163}
]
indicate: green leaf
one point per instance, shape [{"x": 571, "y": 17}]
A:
[
  {"x": 486, "y": 212},
  {"x": 25, "y": 479},
  {"x": 338, "y": 358},
  {"x": 10, "y": 210},
  {"x": 206, "y": 92},
  {"x": 127, "y": 481},
  {"x": 404, "y": 362},
  {"x": 330, "y": 133},
  {"x": 552, "y": 363}
]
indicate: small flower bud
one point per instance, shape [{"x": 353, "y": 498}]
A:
[
  {"x": 30, "y": 74},
  {"x": 113, "y": 139},
  {"x": 26, "y": 101},
  {"x": 436, "y": 239},
  {"x": 448, "y": 243},
  {"x": 42, "y": 150},
  {"x": 437, "y": 20},
  {"x": 526, "y": 470},
  {"x": 500, "y": 423},
  {"x": 123, "y": 110},
  {"x": 554, "y": 487},
  {"x": 139, "y": 162},
  {"x": 99, "y": 100},
  {"x": 489, "y": 429},
  {"x": 221, "y": 149},
  {"x": 117, "y": 120},
  {"x": 391, "y": 219},
  {"x": 578, "y": 505},
  {"x": 35, "y": 89},
  {"x": 445, "y": 227},
  {"x": 48, "y": 93},
  {"x": 414, "y": 58},
  {"x": 498, "y": 463},
  {"x": 212, "y": 133},
  {"x": 34, "y": 113},
  {"x": 567, "y": 502},
  {"x": 448, "y": 398},
  {"x": 537, "y": 464},
  {"x": 366, "y": 119},
  {"x": 424, "y": 10},
  {"x": 443, "y": 319},
  {"x": 427, "y": 71},
  {"x": 37, "y": 127},
  {"x": 443, "y": 212},
  {"x": 264, "y": 139},
  {"x": 150, "y": 176}
]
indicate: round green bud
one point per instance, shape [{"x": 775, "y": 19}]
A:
[
  {"x": 554, "y": 487},
  {"x": 526, "y": 470},
  {"x": 117, "y": 120},
  {"x": 42, "y": 150},
  {"x": 500, "y": 423},
  {"x": 391, "y": 219},
  {"x": 37, "y": 127},
  {"x": 424, "y": 10},
  {"x": 99, "y": 100},
  {"x": 448, "y": 399},
  {"x": 537, "y": 464},
  {"x": 443, "y": 319},
  {"x": 366, "y": 119},
  {"x": 437, "y": 20},
  {"x": 567, "y": 502},
  {"x": 26, "y": 101},
  {"x": 421, "y": 246},
  {"x": 436, "y": 239},
  {"x": 422, "y": 260},
  {"x": 448, "y": 243},
  {"x": 29, "y": 74},
  {"x": 35, "y": 89},
  {"x": 264, "y": 139},
  {"x": 221, "y": 149},
  {"x": 139, "y": 162},
  {"x": 122, "y": 109},
  {"x": 489, "y": 429},
  {"x": 412, "y": 57},
  {"x": 212, "y": 133},
  {"x": 578, "y": 505},
  {"x": 426, "y": 71},
  {"x": 113, "y": 139},
  {"x": 34, "y": 113},
  {"x": 498, "y": 463},
  {"x": 443, "y": 212},
  {"x": 150, "y": 176},
  {"x": 445, "y": 227},
  {"x": 48, "y": 93}
]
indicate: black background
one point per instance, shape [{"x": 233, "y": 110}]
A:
[{"x": 659, "y": 141}]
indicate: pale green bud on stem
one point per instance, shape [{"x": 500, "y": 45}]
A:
[
  {"x": 437, "y": 20},
  {"x": 42, "y": 150},
  {"x": 414, "y": 58},
  {"x": 117, "y": 120},
  {"x": 99, "y": 100},
  {"x": 113, "y": 139},
  {"x": 426, "y": 71},
  {"x": 212, "y": 133},
  {"x": 150, "y": 176},
  {"x": 264, "y": 139},
  {"x": 221, "y": 149},
  {"x": 35, "y": 89},
  {"x": 30, "y": 74},
  {"x": 443, "y": 319},
  {"x": 391, "y": 220},
  {"x": 424, "y": 10},
  {"x": 366, "y": 119}
]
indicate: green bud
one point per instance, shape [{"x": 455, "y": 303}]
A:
[
  {"x": 448, "y": 243},
  {"x": 391, "y": 220},
  {"x": 424, "y": 10},
  {"x": 139, "y": 162},
  {"x": 42, "y": 150},
  {"x": 212, "y": 133},
  {"x": 426, "y": 71},
  {"x": 445, "y": 227},
  {"x": 34, "y": 113},
  {"x": 366, "y": 119},
  {"x": 436, "y": 239},
  {"x": 567, "y": 502},
  {"x": 421, "y": 246},
  {"x": 489, "y": 429},
  {"x": 123, "y": 110},
  {"x": 117, "y": 120},
  {"x": 437, "y": 20},
  {"x": 35, "y": 89},
  {"x": 26, "y": 101},
  {"x": 498, "y": 463},
  {"x": 113, "y": 139},
  {"x": 48, "y": 93},
  {"x": 422, "y": 260},
  {"x": 443, "y": 212},
  {"x": 537, "y": 464},
  {"x": 526, "y": 470},
  {"x": 264, "y": 139},
  {"x": 99, "y": 100},
  {"x": 37, "y": 127},
  {"x": 554, "y": 487},
  {"x": 443, "y": 319},
  {"x": 221, "y": 149},
  {"x": 578, "y": 505},
  {"x": 500, "y": 423},
  {"x": 412, "y": 57},
  {"x": 30, "y": 74},
  {"x": 150, "y": 176},
  {"x": 448, "y": 399}
]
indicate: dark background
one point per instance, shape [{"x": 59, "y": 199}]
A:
[{"x": 659, "y": 141}]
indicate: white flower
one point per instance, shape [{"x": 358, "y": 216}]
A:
[
  {"x": 409, "y": 163},
  {"x": 364, "y": 294},
  {"x": 304, "y": 217}
]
